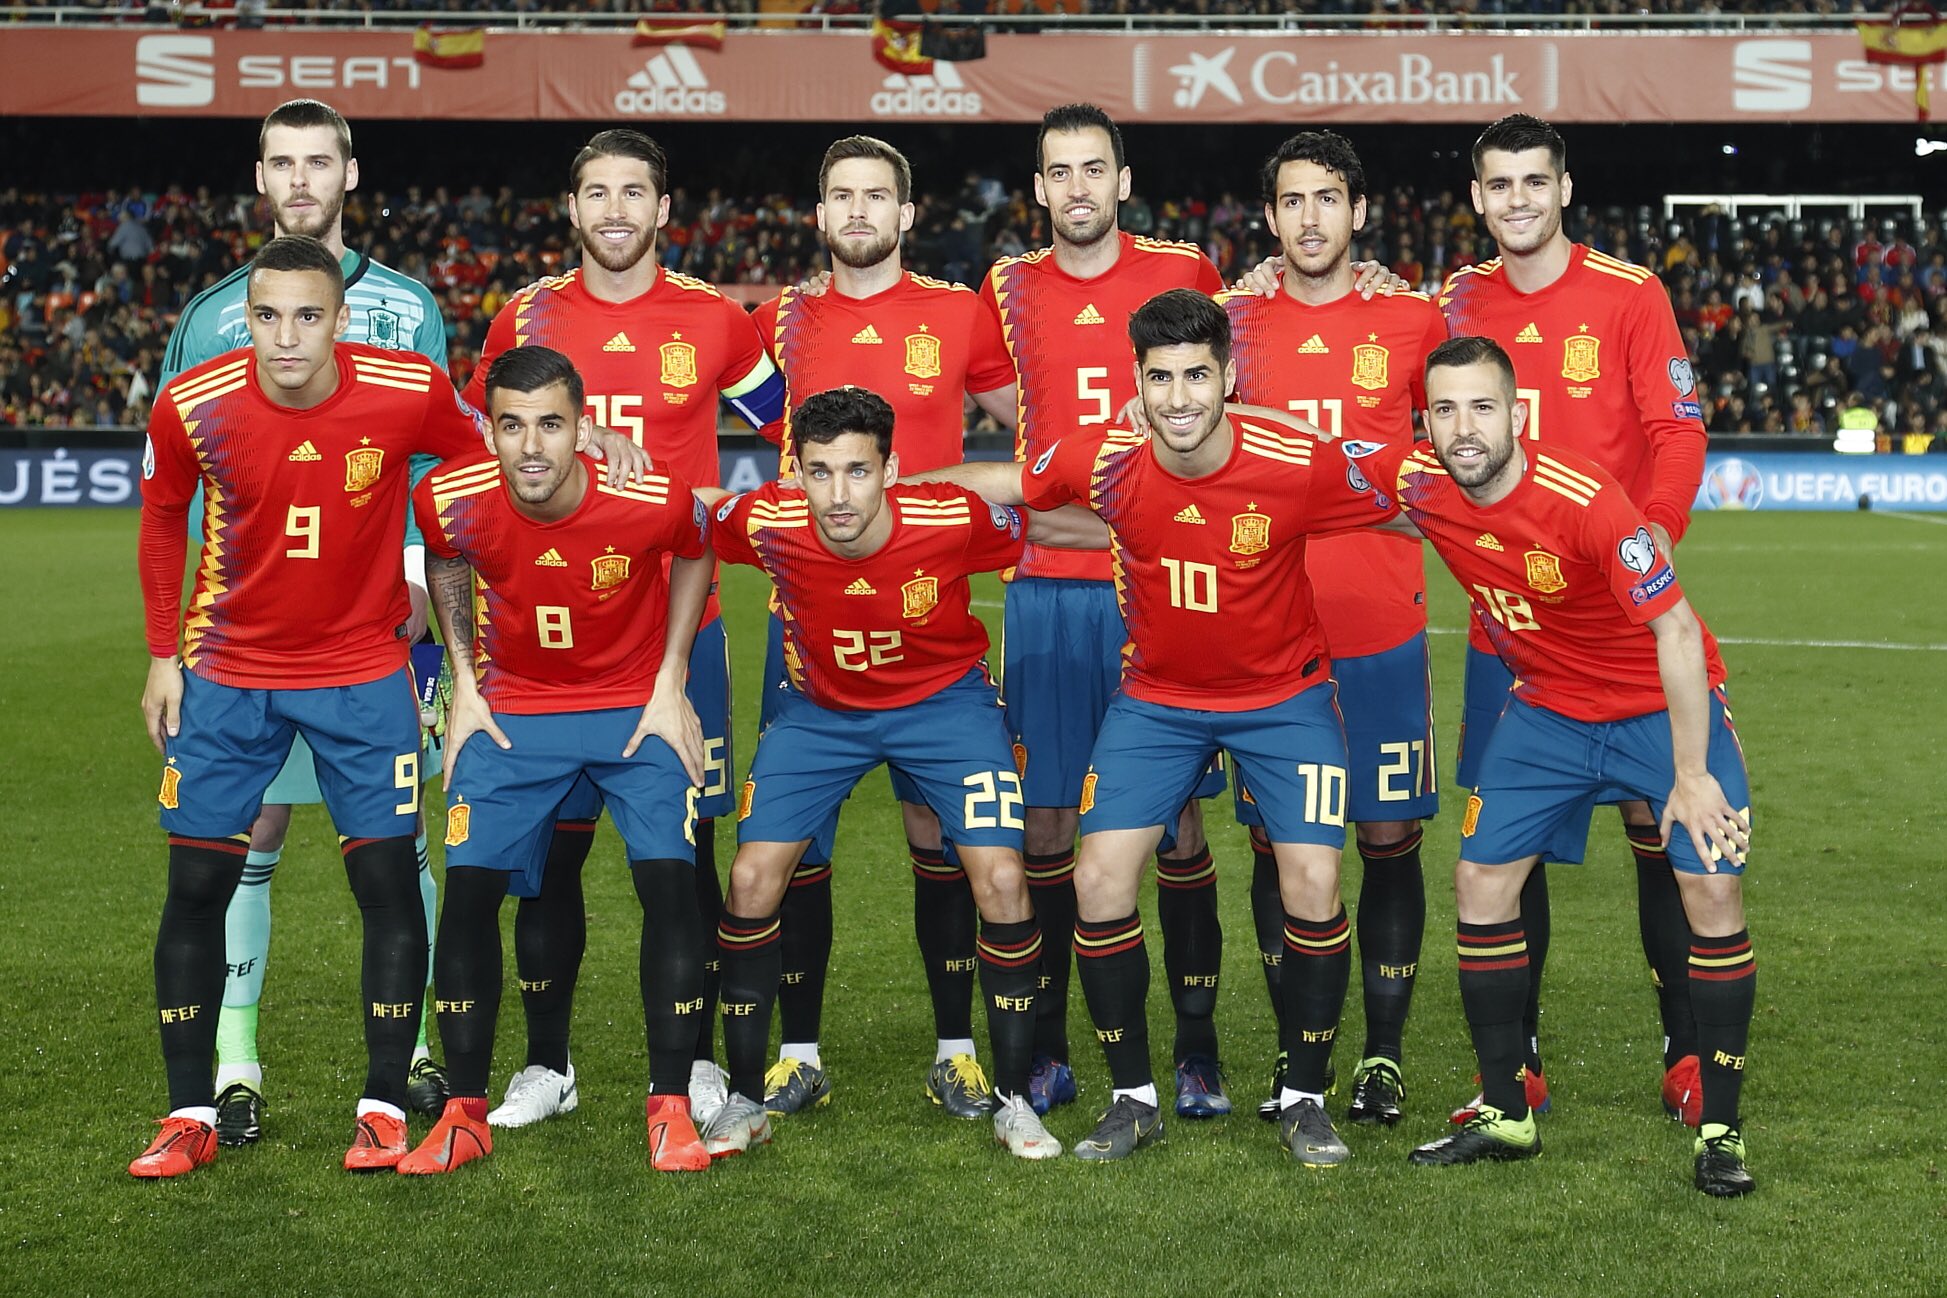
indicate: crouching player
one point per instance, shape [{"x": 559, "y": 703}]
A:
[
  {"x": 575, "y": 670},
  {"x": 1618, "y": 693},
  {"x": 885, "y": 660}
]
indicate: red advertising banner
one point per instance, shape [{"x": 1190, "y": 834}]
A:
[{"x": 763, "y": 76}]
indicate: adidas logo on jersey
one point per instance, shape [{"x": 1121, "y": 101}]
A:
[
  {"x": 1314, "y": 346},
  {"x": 1189, "y": 514},
  {"x": 1488, "y": 541},
  {"x": 867, "y": 335},
  {"x": 860, "y": 587},
  {"x": 1528, "y": 334},
  {"x": 619, "y": 343},
  {"x": 1089, "y": 315},
  {"x": 671, "y": 84},
  {"x": 552, "y": 559},
  {"x": 305, "y": 453}
]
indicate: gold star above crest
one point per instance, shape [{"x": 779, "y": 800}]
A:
[
  {"x": 1372, "y": 338},
  {"x": 364, "y": 441},
  {"x": 1583, "y": 327},
  {"x": 919, "y": 572},
  {"x": 922, "y": 328},
  {"x": 1251, "y": 506},
  {"x": 677, "y": 335},
  {"x": 610, "y": 550}
]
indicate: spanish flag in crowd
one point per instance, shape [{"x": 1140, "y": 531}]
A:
[
  {"x": 895, "y": 45},
  {"x": 679, "y": 30},
  {"x": 1914, "y": 36},
  {"x": 449, "y": 47}
]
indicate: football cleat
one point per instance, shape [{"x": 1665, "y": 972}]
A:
[
  {"x": 737, "y": 1126},
  {"x": 1017, "y": 1126},
  {"x": 1200, "y": 1088},
  {"x": 792, "y": 1086},
  {"x": 239, "y": 1115},
  {"x": 960, "y": 1087},
  {"x": 709, "y": 1088},
  {"x": 1720, "y": 1163},
  {"x": 426, "y": 1089},
  {"x": 1127, "y": 1126},
  {"x": 1377, "y": 1090},
  {"x": 674, "y": 1145},
  {"x": 1272, "y": 1105},
  {"x": 378, "y": 1143},
  {"x": 1309, "y": 1135},
  {"x": 183, "y": 1145},
  {"x": 1531, "y": 1080},
  {"x": 534, "y": 1093},
  {"x": 1486, "y": 1136},
  {"x": 1051, "y": 1084},
  {"x": 455, "y": 1140},
  {"x": 1683, "y": 1092}
]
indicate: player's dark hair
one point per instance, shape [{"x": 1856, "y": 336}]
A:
[
  {"x": 1327, "y": 149},
  {"x": 1179, "y": 317},
  {"x": 1076, "y": 117},
  {"x": 529, "y": 369},
  {"x": 623, "y": 143},
  {"x": 298, "y": 252},
  {"x": 302, "y": 113},
  {"x": 827, "y": 416},
  {"x": 868, "y": 146},
  {"x": 1456, "y": 353},
  {"x": 1517, "y": 133}
]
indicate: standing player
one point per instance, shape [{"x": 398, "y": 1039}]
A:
[
  {"x": 1208, "y": 517},
  {"x": 304, "y": 169},
  {"x": 581, "y": 662},
  {"x": 1352, "y": 368},
  {"x": 886, "y": 665},
  {"x": 657, "y": 351},
  {"x": 1602, "y": 368},
  {"x": 924, "y": 345},
  {"x": 300, "y": 444},
  {"x": 1619, "y": 693}
]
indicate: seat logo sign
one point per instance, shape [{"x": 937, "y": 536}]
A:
[
  {"x": 175, "y": 71},
  {"x": 1772, "y": 77}
]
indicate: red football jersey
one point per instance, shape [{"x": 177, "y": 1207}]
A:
[
  {"x": 1210, "y": 571},
  {"x": 1563, "y": 574},
  {"x": 571, "y": 615},
  {"x": 923, "y": 344},
  {"x": 299, "y": 583},
  {"x": 1355, "y": 370},
  {"x": 894, "y": 627},
  {"x": 1069, "y": 339}
]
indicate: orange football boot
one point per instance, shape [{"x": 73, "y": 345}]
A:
[{"x": 183, "y": 1145}]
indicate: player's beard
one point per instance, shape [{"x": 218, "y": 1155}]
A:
[
  {"x": 1538, "y": 233},
  {"x": 541, "y": 491},
  {"x": 1086, "y": 233},
  {"x": 617, "y": 257},
  {"x": 316, "y": 222},
  {"x": 1485, "y": 470},
  {"x": 862, "y": 256},
  {"x": 1187, "y": 441}
]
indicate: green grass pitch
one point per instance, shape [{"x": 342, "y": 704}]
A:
[{"x": 880, "y": 1194}]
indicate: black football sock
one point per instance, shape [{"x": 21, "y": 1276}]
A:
[
  {"x": 943, "y": 921},
  {"x": 550, "y": 936},
  {"x": 1114, "y": 966},
  {"x": 384, "y": 876},
  {"x": 1534, "y": 923},
  {"x": 1051, "y": 885},
  {"x": 1193, "y": 948},
  {"x": 1010, "y": 964},
  {"x": 1723, "y": 990},
  {"x": 467, "y": 975},
  {"x": 1494, "y": 963},
  {"x": 1267, "y": 916},
  {"x": 709, "y": 909},
  {"x": 189, "y": 961},
  {"x": 806, "y": 952},
  {"x": 671, "y": 970},
  {"x": 752, "y": 966},
  {"x": 1666, "y": 939},
  {"x": 1392, "y": 922},
  {"x": 1317, "y": 969}
]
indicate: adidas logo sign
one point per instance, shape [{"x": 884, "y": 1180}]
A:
[
  {"x": 939, "y": 94},
  {"x": 1314, "y": 346},
  {"x": 1089, "y": 315},
  {"x": 552, "y": 559},
  {"x": 1488, "y": 541},
  {"x": 1189, "y": 514},
  {"x": 860, "y": 587},
  {"x": 1529, "y": 334},
  {"x": 619, "y": 343},
  {"x": 305, "y": 453},
  {"x": 867, "y": 335},
  {"x": 671, "y": 84}
]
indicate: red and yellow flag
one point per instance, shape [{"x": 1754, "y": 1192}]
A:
[
  {"x": 679, "y": 30},
  {"x": 449, "y": 47},
  {"x": 1913, "y": 35},
  {"x": 896, "y": 46}
]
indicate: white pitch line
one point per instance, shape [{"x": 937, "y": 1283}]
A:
[{"x": 1938, "y": 520}]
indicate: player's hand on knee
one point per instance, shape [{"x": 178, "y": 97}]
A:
[
  {"x": 1716, "y": 829},
  {"x": 626, "y": 461},
  {"x": 162, "y": 700},
  {"x": 466, "y": 716},
  {"x": 1262, "y": 279},
  {"x": 1370, "y": 277},
  {"x": 670, "y": 718}
]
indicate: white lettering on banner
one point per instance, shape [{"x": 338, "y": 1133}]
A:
[
  {"x": 175, "y": 71},
  {"x": 941, "y": 94},
  {"x": 1280, "y": 76},
  {"x": 325, "y": 72},
  {"x": 1845, "y": 488},
  {"x": 1772, "y": 76},
  {"x": 671, "y": 84},
  {"x": 29, "y": 478}
]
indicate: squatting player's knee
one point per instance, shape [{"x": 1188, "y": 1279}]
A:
[
  {"x": 1308, "y": 880},
  {"x": 1489, "y": 894},
  {"x": 759, "y": 876},
  {"x": 1000, "y": 883}
]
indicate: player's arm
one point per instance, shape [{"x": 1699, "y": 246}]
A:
[
  {"x": 750, "y": 384},
  {"x": 991, "y": 380},
  {"x": 995, "y": 480},
  {"x": 1001, "y": 404},
  {"x": 669, "y": 715},
  {"x": 1663, "y": 382},
  {"x": 451, "y": 580},
  {"x": 764, "y": 320},
  {"x": 728, "y": 529},
  {"x": 1696, "y": 801},
  {"x": 1369, "y": 277},
  {"x": 1071, "y": 527},
  {"x": 169, "y": 479}
]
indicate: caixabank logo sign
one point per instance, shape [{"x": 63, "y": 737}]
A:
[{"x": 1250, "y": 75}]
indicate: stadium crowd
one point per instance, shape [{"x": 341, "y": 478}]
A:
[{"x": 1789, "y": 321}]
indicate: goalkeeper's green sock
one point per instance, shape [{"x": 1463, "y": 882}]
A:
[{"x": 246, "y": 942}]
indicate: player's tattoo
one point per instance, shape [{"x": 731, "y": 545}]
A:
[{"x": 452, "y": 586}]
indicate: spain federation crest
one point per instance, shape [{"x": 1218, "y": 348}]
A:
[
  {"x": 923, "y": 356},
  {"x": 1250, "y": 532},
  {"x": 1545, "y": 572},
  {"x": 610, "y": 571},
  {"x": 459, "y": 823},
  {"x": 363, "y": 466},
  {"x": 172, "y": 778},
  {"x": 1369, "y": 366},
  {"x": 1579, "y": 358},
  {"x": 919, "y": 596},
  {"x": 383, "y": 328},
  {"x": 679, "y": 364}
]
